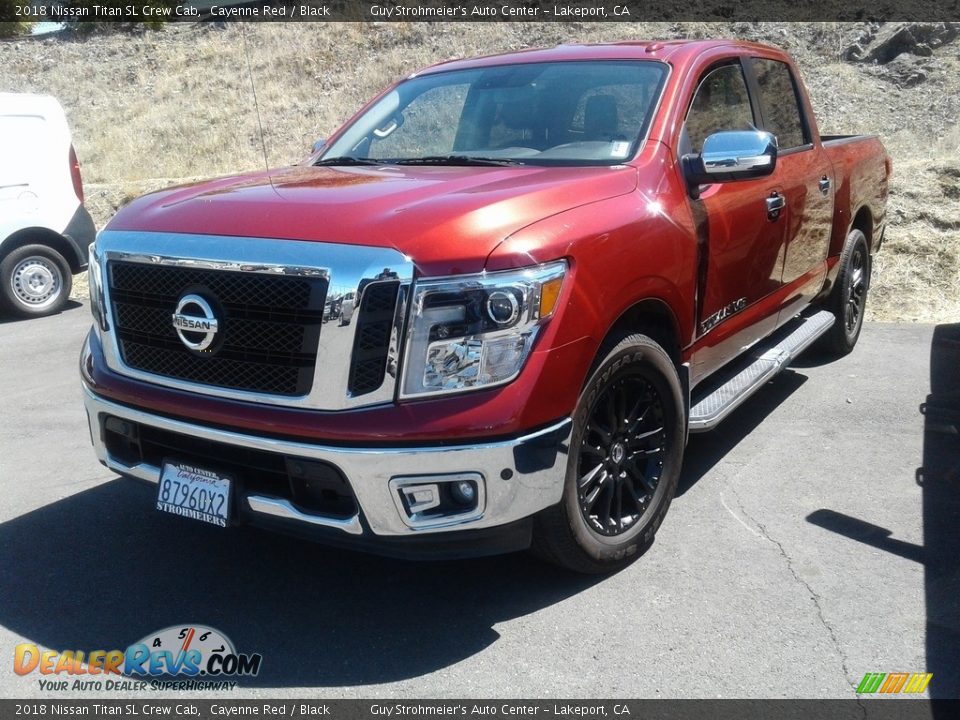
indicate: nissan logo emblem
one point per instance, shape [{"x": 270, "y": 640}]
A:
[{"x": 194, "y": 318}]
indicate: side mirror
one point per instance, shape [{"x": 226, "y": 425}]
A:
[
  {"x": 731, "y": 155},
  {"x": 319, "y": 145}
]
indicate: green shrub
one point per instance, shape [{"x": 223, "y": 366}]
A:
[
  {"x": 10, "y": 25},
  {"x": 15, "y": 28},
  {"x": 90, "y": 24}
]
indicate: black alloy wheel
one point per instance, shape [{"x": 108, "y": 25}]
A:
[
  {"x": 848, "y": 298},
  {"x": 856, "y": 290},
  {"x": 626, "y": 451},
  {"x": 621, "y": 455}
]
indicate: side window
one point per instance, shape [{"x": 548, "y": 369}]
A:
[
  {"x": 778, "y": 103},
  {"x": 720, "y": 103}
]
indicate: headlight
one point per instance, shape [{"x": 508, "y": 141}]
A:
[
  {"x": 476, "y": 331},
  {"x": 95, "y": 281}
]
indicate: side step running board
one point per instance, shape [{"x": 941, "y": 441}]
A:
[{"x": 765, "y": 361}]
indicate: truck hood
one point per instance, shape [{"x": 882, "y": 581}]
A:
[{"x": 447, "y": 219}]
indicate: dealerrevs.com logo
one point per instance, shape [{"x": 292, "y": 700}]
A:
[{"x": 180, "y": 657}]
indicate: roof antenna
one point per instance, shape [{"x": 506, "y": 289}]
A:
[{"x": 256, "y": 104}]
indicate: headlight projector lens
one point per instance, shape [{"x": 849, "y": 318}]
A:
[{"x": 502, "y": 307}]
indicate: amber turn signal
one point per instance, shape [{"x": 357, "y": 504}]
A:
[{"x": 549, "y": 294}]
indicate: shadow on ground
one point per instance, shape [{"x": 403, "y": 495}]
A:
[
  {"x": 705, "y": 450},
  {"x": 940, "y": 553},
  {"x": 319, "y": 617},
  {"x": 940, "y": 479},
  {"x": 8, "y": 317}
]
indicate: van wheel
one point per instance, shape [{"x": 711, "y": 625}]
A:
[
  {"x": 35, "y": 280},
  {"x": 625, "y": 455},
  {"x": 848, "y": 298}
]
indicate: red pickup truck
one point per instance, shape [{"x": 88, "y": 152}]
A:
[{"x": 485, "y": 314}]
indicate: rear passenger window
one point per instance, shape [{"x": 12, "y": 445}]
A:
[
  {"x": 720, "y": 103},
  {"x": 779, "y": 104}
]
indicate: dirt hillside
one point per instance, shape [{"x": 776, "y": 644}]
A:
[{"x": 151, "y": 110}]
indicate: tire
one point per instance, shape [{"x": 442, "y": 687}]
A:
[
  {"x": 35, "y": 280},
  {"x": 626, "y": 450},
  {"x": 848, "y": 298}
]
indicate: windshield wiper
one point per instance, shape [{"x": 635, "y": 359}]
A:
[
  {"x": 349, "y": 160},
  {"x": 458, "y": 160}
]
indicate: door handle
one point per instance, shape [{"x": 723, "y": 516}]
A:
[
  {"x": 825, "y": 185},
  {"x": 775, "y": 203}
]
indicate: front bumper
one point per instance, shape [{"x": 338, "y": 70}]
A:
[
  {"x": 519, "y": 477},
  {"x": 80, "y": 232}
]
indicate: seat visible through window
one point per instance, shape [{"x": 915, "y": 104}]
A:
[{"x": 600, "y": 118}]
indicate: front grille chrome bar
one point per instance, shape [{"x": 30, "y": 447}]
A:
[{"x": 278, "y": 507}]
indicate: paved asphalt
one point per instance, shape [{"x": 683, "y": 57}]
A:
[{"x": 791, "y": 563}]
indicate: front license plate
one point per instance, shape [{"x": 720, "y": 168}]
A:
[{"x": 194, "y": 492}]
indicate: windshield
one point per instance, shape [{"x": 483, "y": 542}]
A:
[{"x": 563, "y": 113}]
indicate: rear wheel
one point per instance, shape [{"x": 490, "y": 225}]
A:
[
  {"x": 625, "y": 456},
  {"x": 35, "y": 280},
  {"x": 848, "y": 298}
]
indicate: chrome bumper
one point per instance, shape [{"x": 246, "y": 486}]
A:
[{"x": 521, "y": 476}]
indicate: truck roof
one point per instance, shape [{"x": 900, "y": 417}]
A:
[{"x": 675, "y": 50}]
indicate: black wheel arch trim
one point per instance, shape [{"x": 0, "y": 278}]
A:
[{"x": 72, "y": 243}]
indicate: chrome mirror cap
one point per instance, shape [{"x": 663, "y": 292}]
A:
[
  {"x": 751, "y": 153},
  {"x": 730, "y": 155}
]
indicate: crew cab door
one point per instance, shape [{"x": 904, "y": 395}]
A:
[
  {"x": 804, "y": 175},
  {"x": 741, "y": 244}
]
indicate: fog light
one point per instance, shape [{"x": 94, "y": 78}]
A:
[
  {"x": 426, "y": 501},
  {"x": 463, "y": 492}
]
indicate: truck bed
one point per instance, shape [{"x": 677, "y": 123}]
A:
[{"x": 861, "y": 180}]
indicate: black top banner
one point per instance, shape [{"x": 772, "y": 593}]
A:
[{"x": 485, "y": 11}]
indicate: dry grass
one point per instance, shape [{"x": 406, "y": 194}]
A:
[{"x": 151, "y": 110}]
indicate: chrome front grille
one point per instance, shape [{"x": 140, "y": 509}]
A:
[
  {"x": 270, "y": 326},
  {"x": 279, "y": 338}
]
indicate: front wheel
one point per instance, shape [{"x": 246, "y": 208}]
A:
[
  {"x": 35, "y": 280},
  {"x": 848, "y": 299},
  {"x": 626, "y": 451}
]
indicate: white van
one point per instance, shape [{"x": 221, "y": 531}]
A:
[{"x": 44, "y": 228}]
